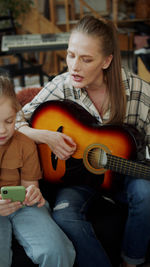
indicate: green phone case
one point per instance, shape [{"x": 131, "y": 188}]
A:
[{"x": 15, "y": 193}]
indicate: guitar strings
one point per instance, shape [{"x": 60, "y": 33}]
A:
[
  {"x": 123, "y": 165},
  {"x": 130, "y": 166}
]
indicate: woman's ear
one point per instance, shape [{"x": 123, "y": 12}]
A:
[{"x": 107, "y": 61}]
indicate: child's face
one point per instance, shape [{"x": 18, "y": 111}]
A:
[{"x": 7, "y": 120}]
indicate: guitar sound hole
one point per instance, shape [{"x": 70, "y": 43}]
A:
[{"x": 95, "y": 157}]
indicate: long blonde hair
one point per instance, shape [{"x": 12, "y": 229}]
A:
[{"x": 107, "y": 34}]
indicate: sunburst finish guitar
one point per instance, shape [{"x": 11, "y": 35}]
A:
[{"x": 102, "y": 149}]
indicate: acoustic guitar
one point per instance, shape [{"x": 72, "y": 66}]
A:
[{"x": 101, "y": 149}]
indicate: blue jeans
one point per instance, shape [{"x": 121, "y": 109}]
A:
[
  {"x": 43, "y": 241},
  {"x": 137, "y": 228},
  {"x": 70, "y": 214}
]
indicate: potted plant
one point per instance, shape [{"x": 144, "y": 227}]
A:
[{"x": 15, "y": 7}]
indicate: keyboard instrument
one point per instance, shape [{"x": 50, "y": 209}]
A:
[{"x": 34, "y": 42}]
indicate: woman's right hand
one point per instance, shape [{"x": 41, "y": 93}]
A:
[
  {"x": 61, "y": 144},
  {"x": 7, "y": 207}
]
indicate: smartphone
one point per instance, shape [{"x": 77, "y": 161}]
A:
[{"x": 15, "y": 193}]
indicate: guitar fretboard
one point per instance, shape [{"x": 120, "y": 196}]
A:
[{"x": 128, "y": 167}]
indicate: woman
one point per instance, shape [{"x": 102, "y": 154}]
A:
[{"x": 96, "y": 81}]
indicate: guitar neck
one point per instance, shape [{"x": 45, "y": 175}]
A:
[{"x": 127, "y": 167}]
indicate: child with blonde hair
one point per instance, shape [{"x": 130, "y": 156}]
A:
[{"x": 44, "y": 242}]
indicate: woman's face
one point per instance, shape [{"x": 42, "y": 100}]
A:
[{"x": 85, "y": 60}]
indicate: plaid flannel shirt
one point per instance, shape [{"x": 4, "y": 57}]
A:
[{"x": 137, "y": 93}]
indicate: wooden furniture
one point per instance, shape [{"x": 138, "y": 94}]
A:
[
  {"x": 114, "y": 3},
  {"x": 142, "y": 70},
  {"x": 69, "y": 11}
]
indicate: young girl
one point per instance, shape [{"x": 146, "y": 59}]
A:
[{"x": 32, "y": 225}]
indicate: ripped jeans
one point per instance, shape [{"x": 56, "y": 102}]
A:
[{"x": 70, "y": 214}]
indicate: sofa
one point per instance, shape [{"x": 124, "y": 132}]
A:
[{"x": 107, "y": 217}]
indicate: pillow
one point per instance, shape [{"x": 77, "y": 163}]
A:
[{"x": 27, "y": 94}]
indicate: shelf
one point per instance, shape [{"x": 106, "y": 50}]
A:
[{"x": 132, "y": 20}]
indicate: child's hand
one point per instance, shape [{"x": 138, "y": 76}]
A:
[
  {"x": 7, "y": 207},
  {"x": 33, "y": 196}
]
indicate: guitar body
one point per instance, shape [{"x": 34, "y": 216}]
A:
[{"x": 70, "y": 118}]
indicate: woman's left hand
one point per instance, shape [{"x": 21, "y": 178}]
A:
[{"x": 33, "y": 196}]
